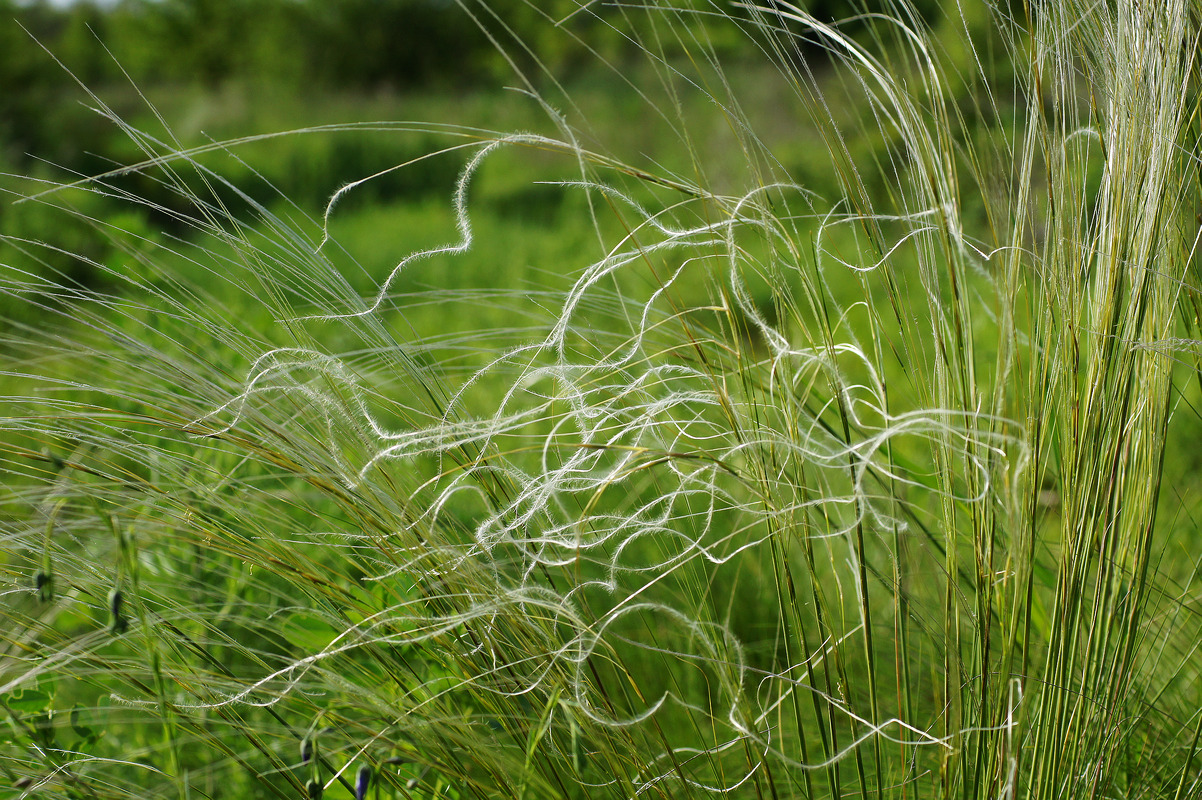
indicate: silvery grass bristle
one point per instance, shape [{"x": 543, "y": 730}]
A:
[{"x": 751, "y": 508}]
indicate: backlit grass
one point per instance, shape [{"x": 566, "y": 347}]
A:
[{"x": 850, "y": 469}]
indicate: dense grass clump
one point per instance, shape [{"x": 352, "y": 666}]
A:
[{"x": 836, "y": 463}]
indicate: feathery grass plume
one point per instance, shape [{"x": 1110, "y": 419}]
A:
[{"x": 749, "y": 500}]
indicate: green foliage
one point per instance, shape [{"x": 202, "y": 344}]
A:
[{"x": 712, "y": 470}]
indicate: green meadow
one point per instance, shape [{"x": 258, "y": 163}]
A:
[{"x": 573, "y": 400}]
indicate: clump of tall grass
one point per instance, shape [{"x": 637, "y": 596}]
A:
[{"x": 788, "y": 490}]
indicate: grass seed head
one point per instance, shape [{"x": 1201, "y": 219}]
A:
[
  {"x": 43, "y": 582},
  {"x": 117, "y": 622},
  {"x": 306, "y": 749},
  {"x": 362, "y": 782}
]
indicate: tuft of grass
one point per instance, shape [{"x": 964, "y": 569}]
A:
[{"x": 862, "y": 486}]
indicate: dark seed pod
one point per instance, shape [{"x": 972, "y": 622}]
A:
[
  {"x": 44, "y": 583},
  {"x": 314, "y": 789},
  {"x": 306, "y": 749},
  {"x": 54, "y": 458},
  {"x": 117, "y": 622},
  {"x": 362, "y": 782}
]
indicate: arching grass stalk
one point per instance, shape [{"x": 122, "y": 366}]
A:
[{"x": 823, "y": 464}]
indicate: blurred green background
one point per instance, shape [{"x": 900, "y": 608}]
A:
[{"x": 191, "y": 72}]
